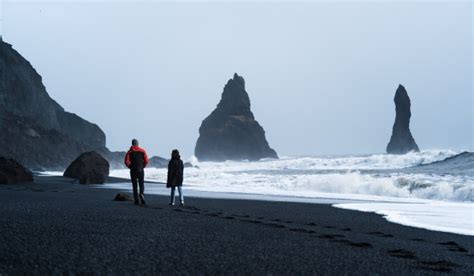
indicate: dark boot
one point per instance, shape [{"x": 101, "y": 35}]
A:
[{"x": 142, "y": 199}]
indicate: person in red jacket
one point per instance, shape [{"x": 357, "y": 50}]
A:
[{"x": 136, "y": 160}]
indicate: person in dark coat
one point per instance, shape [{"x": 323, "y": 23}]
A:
[
  {"x": 136, "y": 160},
  {"x": 175, "y": 176}
]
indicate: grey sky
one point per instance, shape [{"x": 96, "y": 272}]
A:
[{"x": 321, "y": 75}]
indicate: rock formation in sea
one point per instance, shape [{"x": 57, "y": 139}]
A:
[
  {"x": 231, "y": 132},
  {"x": 12, "y": 172},
  {"x": 158, "y": 162},
  {"x": 35, "y": 129},
  {"x": 89, "y": 168},
  {"x": 402, "y": 141}
]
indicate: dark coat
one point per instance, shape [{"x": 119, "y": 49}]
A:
[{"x": 175, "y": 173}]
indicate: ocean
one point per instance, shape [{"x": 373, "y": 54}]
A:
[{"x": 430, "y": 189}]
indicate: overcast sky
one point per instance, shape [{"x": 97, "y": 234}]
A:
[{"x": 321, "y": 75}]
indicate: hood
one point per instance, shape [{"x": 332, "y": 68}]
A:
[{"x": 136, "y": 148}]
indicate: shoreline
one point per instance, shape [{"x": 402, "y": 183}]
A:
[
  {"x": 53, "y": 226},
  {"x": 426, "y": 214}
]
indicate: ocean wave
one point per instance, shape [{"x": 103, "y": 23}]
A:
[
  {"x": 378, "y": 175},
  {"x": 350, "y": 185},
  {"x": 351, "y": 162}
]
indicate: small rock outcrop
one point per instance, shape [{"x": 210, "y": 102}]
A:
[
  {"x": 89, "y": 168},
  {"x": 122, "y": 197},
  {"x": 188, "y": 165},
  {"x": 402, "y": 141},
  {"x": 231, "y": 132},
  {"x": 158, "y": 162},
  {"x": 12, "y": 172}
]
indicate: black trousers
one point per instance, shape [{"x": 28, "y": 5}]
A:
[{"x": 138, "y": 179}]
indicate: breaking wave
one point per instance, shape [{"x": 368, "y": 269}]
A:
[{"x": 342, "y": 176}]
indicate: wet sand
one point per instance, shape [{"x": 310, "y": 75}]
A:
[{"x": 54, "y": 226}]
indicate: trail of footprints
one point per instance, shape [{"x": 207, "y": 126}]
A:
[{"x": 439, "y": 266}]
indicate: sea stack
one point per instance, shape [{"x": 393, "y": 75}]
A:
[
  {"x": 231, "y": 132},
  {"x": 402, "y": 141}
]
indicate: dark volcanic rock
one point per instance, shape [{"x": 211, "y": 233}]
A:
[
  {"x": 89, "y": 168},
  {"x": 402, "y": 141},
  {"x": 122, "y": 197},
  {"x": 34, "y": 129},
  {"x": 188, "y": 165},
  {"x": 158, "y": 162},
  {"x": 12, "y": 172},
  {"x": 231, "y": 132}
]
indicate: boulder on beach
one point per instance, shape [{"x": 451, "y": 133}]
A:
[
  {"x": 402, "y": 141},
  {"x": 89, "y": 168},
  {"x": 12, "y": 172},
  {"x": 231, "y": 132},
  {"x": 122, "y": 197}
]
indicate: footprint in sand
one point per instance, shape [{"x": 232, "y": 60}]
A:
[
  {"x": 329, "y": 237},
  {"x": 380, "y": 234},
  {"x": 453, "y": 246},
  {"x": 251, "y": 221},
  {"x": 329, "y": 227},
  {"x": 347, "y": 242},
  {"x": 439, "y": 266},
  {"x": 402, "y": 253},
  {"x": 213, "y": 215},
  {"x": 361, "y": 244},
  {"x": 418, "y": 240},
  {"x": 302, "y": 230},
  {"x": 275, "y": 225}
]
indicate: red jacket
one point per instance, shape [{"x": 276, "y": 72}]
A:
[{"x": 136, "y": 158}]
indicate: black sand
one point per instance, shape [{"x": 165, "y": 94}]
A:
[{"x": 53, "y": 227}]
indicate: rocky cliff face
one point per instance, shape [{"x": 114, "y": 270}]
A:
[
  {"x": 231, "y": 132},
  {"x": 34, "y": 129},
  {"x": 402, "y": 141}
]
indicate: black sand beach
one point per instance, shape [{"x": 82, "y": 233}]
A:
[{"x": 53, "y": 226}]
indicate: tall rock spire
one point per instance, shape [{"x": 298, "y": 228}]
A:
[{"x": 402, "y": 141}]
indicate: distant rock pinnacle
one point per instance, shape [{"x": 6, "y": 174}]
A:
[
  {"x": 402, "y": 141},
  {"x": 231, "y": 132}
]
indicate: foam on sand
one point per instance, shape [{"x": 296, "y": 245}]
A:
[{"x": 438, "y": 216}]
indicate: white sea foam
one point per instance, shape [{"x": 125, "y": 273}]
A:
[
  {"x": 429, "y": 200},
  {"x": 350, "y": 162},
  {"x": 438, "y": 216},
  {"x": 342, "y": 185},
  {"x": 336, "y": 177}
]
